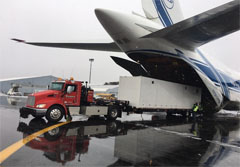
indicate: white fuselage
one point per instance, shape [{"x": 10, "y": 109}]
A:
[{"x": 127, "y": 32}]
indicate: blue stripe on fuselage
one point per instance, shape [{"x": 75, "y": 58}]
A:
[
  {"x": 208, "y": 72},
  {"x": 218, "y": 75},
  {"x": 163, "y": 13},
  {"x": 206, "y": 69},
  {"x": 160, "y": 17},
  {"x": 166, "y": 11}
]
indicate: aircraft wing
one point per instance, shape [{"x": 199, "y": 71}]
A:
[
  {"x": 203, "y": 28},
  {"x": 85, "y": 46}
]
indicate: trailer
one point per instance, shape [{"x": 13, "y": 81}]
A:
[
  {"x": 147, "y": 94},
  {"x": 136, "y": 94}
]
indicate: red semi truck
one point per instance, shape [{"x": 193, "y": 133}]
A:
[
  {"x": 136, "y": 94},
  {"x": 65, "y": 97}
]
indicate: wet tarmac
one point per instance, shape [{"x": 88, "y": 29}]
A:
[{"x": 135, "y": 140}]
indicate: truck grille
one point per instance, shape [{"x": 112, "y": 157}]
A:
[{"x": 31, "y": 101}]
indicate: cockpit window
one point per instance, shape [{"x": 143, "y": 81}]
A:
[{"x": 56, "y": 86}]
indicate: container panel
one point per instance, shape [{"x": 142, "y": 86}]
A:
[{"x": 148, "y": 93}]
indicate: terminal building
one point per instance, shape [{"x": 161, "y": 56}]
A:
[{"x": 26, "y": 85}]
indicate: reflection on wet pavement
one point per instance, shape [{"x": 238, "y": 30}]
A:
[
  {"x": 147, "y": 140},
  {"x": 172, "y": 142}
]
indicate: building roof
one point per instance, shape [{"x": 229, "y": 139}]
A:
[{"x": 20, "y": 78}]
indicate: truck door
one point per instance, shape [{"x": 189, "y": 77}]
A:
[{"x": 71, "y": 96}]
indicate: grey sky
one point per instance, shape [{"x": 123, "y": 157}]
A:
[{"x": 75, "y": 21}]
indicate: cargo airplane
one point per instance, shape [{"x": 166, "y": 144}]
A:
[{"x": 163, "y": 45}]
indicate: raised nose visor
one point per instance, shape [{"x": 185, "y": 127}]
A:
[
  {"x": 99, "y": 12},
  {"x": 112, "y": 21},
  {"x": 103, "y": 14}
]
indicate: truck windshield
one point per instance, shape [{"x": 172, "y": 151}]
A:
[{"x": 56, "y": 86}]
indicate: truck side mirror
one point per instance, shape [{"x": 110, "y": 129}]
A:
[{"x": 70, "y": 89}]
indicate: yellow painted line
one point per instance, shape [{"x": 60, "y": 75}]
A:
[{"x": 16, "y": 146}]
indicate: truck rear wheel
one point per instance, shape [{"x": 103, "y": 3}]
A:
[
  {"x": 112, "y": 113},
  {"x": 54, "y": 114}
]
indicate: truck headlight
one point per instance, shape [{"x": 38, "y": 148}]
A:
[{"x": 41, "y": 105}]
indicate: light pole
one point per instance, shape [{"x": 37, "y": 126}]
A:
[{"x": 91, "y": 60}]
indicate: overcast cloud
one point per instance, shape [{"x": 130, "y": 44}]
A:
[{"x": 75, "y": 21}]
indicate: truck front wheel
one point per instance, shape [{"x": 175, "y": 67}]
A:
[{"x": 54, "y": 114}]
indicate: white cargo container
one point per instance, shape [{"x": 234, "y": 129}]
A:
[{"x": 148, "y": 93}]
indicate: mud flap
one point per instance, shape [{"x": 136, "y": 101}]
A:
[{"x": 24, "y": 113}]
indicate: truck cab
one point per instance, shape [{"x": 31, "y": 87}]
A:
[
  {"x": 54, "y": 103},
  {"x": 63, "y": 98}
]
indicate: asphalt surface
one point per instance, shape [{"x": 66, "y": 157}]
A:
[{"x": 135, "y": 140}]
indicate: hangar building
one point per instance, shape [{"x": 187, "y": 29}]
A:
[{"x": 27, "y": 85}]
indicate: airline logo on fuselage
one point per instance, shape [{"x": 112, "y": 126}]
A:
[{"x": 169, "y": 3}]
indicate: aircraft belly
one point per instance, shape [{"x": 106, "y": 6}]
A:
[
  {"x": 177, "y": 68},
  {"x": 186, "y": 70},
  {"x": 166, "y": 66}
]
